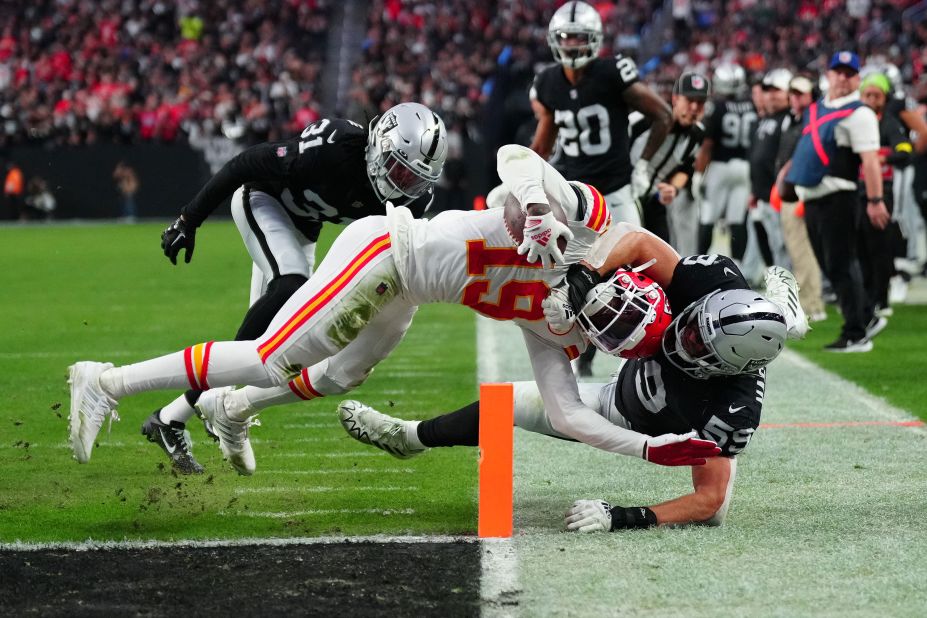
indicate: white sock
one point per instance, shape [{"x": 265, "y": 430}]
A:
[
  {"x": 412, "y": 434},
  {"x": 230, "y": 363},
  {"x": 178, "y": 410}
]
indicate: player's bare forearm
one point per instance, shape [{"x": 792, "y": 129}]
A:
[
  {"x": 646, "y": 101},
  {"x": 636, "y": 248},
  {"x": 710, "y": 482}
]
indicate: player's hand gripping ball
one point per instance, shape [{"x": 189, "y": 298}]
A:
[{"x": 542, "y": 232}]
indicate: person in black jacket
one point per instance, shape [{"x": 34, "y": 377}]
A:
[{"x": 876, "y": 245}]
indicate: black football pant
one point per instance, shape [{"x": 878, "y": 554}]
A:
[
  {"x": 877, "y": 252},
  {"x": 833, "y": 229}
]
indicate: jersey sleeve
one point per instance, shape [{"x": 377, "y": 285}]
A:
[
  {"x": 264, "y": 162},
  {"x": 538, "y": 91},
  {"x": 565, "y": 408},
  {"x": 697, "y": 275},
  {"x": 713, "y": 122},
  {"x": 622, "y": 73},
  {"x": 532, "y": 180},
  {"x": 733, "y": 413}
]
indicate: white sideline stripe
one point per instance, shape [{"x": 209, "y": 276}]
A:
[
  {"x": 498, "y": 557},
  {"x": 330, "y": 425},
  {"x": 316, "y": 490},
  {"x": 345, "y": 471},
  {"x": 91, "y": 545},
  {"x": 288, "y": 514},
  {"x": 499, "y": 581},
  {"x": 873, "y": 404},
  {"x": 309, "y": 440}
]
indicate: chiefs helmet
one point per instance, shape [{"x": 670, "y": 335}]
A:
[{"x": 626, "y": 315}]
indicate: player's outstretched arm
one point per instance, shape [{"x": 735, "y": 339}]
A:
[
  {"x": 707, "y": 504},
  {"x": 261, "y": 162},
  {"x": 570, "y": 417}
]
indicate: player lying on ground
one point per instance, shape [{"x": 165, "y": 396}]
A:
[
  {"x": 357, "y": 306},
  {"x": 281, "y": 193},
  {"x": 706, "y": 375}
]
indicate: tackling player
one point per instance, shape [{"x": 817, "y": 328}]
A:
[
  {"x": 281, "y": 193},
  {"x": 359, "y": 303},
  {"x": 707, "y": 375}
]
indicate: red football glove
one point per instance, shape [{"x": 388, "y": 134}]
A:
[{"x": 679, "y": 450}]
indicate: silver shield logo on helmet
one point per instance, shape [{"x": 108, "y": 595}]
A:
[
  {"x": 727, "y": 332},
  {"x": 406, "y": 150}
]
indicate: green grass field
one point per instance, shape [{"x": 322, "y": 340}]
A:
[
  {"x": 105, "y": 292},
  {"x": 893, "y": 370}
]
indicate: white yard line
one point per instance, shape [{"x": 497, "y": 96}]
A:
[
  {"x": 309, "y": 512},
  {"x": 273, "y": 542},
  {"x": 346, "y": 471},
  {"x": 318, "y": 489},
  {"x": 499, "y": 580}
]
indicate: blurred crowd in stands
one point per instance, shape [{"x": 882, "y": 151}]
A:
[{"x": 84, "y": 71}]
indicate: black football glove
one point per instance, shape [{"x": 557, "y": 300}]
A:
[
  {"x": 179, "y": 235},
  {"x": 581, "y": 279}
]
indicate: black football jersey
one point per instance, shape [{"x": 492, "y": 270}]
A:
[
  {"x": 592, "y": 120},
  {"x": 656, "y": 397},
  {"x": 321, "y": 175},
  {"x": 730, "y": 125}
]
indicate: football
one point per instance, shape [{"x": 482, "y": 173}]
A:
[{"x": 514, "y": 219}]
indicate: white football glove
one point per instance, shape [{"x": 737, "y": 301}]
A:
[
  {"x": 540, "y": 240},
  {"x": 558, "y": 311},
  {"x": 589, "y": 516},
  {"x": 640, "y": 180}
]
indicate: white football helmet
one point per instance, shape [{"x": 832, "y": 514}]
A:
[
  {"x": 575, "y": 34},
  {"x": 725, "y": 333},
  {"x": 729, "y": 79},
  {"x": 406, "y": 150}
]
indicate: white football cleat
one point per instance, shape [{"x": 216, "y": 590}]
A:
[
  {"x": 233, "y": 435},
  {"x": 366, "y": 425},
  {"x": 782, "y": 289},
  {"x": 90, "y": 406}
]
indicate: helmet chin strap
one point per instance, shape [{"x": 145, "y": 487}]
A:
[{"x": 644, "y": 266}]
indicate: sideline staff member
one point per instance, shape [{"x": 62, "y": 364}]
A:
[{"x": 838, "y": 133}]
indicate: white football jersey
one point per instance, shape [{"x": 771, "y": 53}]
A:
[{"x": 467, "y": 257}]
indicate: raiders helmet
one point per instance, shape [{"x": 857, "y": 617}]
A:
[
  {"x": 725, "y": 333},
  {"x": 575, "y": 34},
  {"x": 626, "y": 315},
  {"x": 729, "y": 79},
  {"x": 406, "y": 149}
]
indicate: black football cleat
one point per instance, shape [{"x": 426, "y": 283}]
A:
[{"x": 171, "y": 439}]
